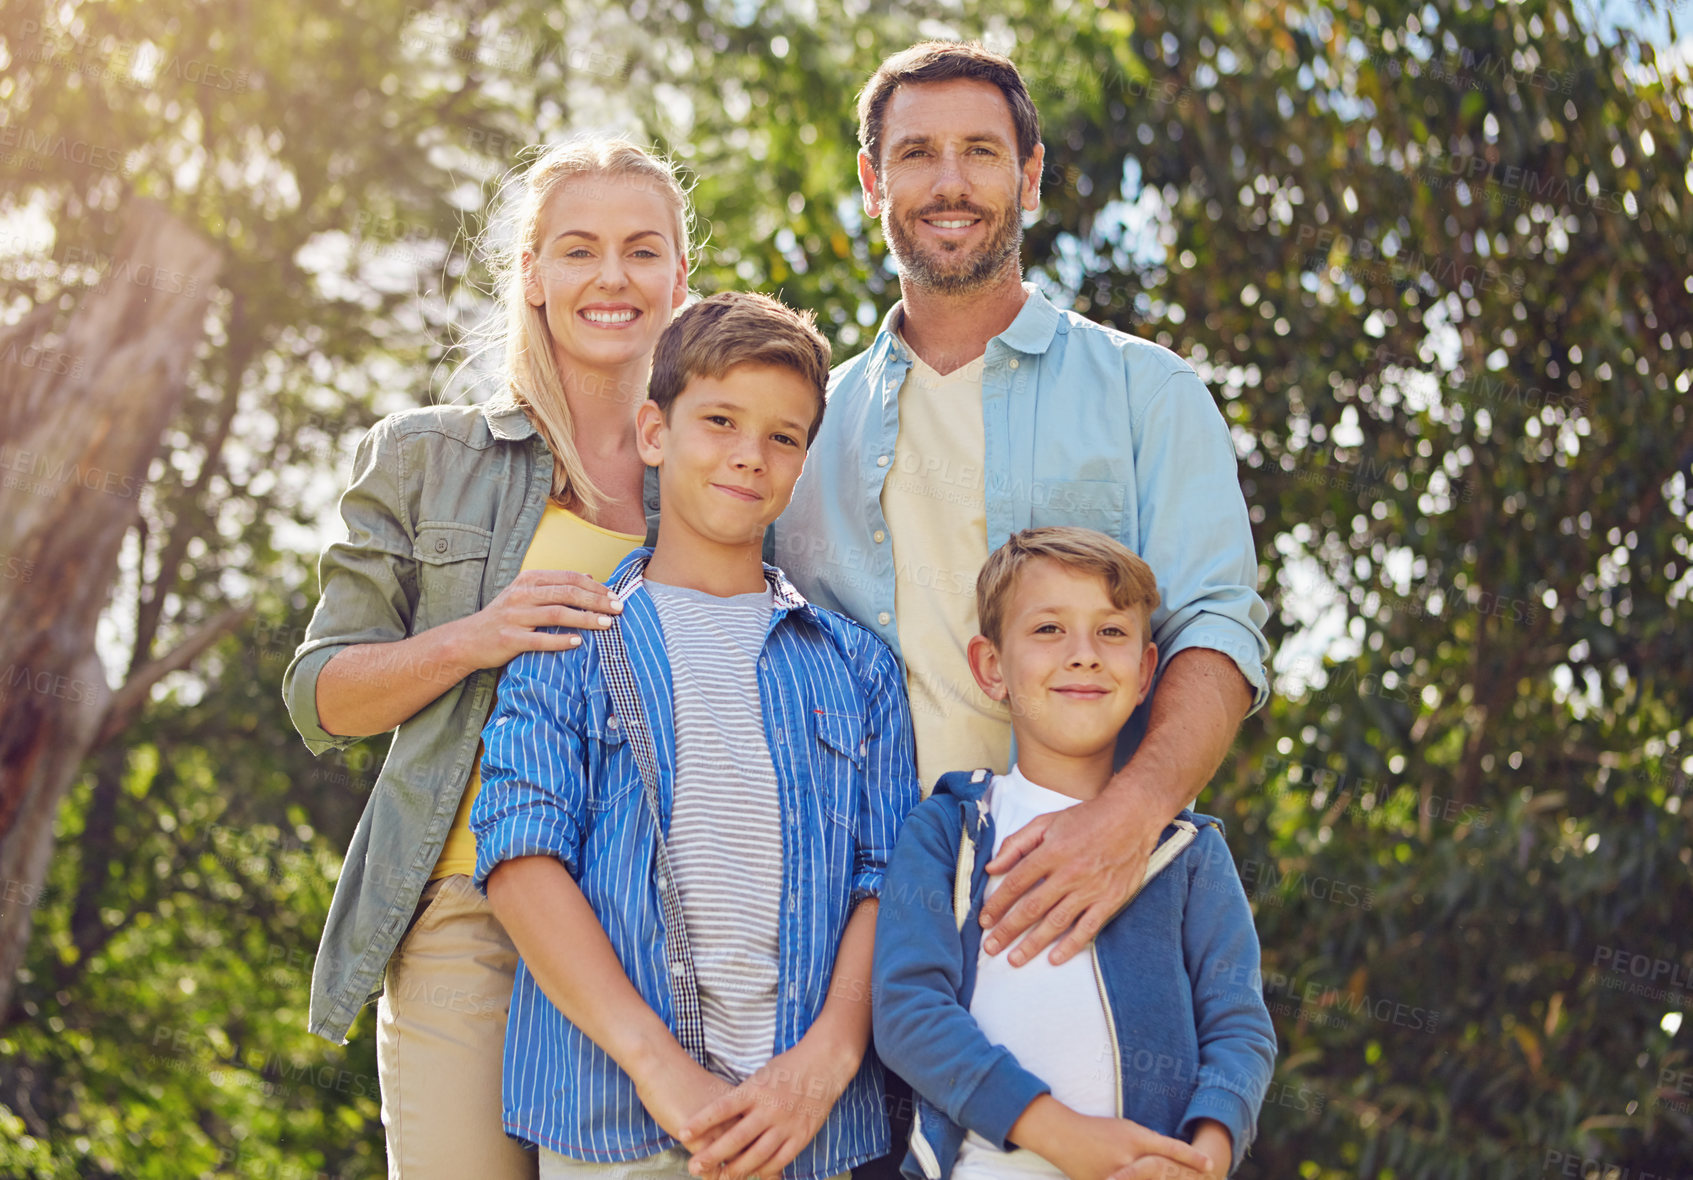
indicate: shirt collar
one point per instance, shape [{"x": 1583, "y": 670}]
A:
[
  {"x": 631, "y": 574},
  {"x": 506, "y": 418},
  {"x": 1030, "y": 333}
]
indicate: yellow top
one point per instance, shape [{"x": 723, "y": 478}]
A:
[
  {"x": 936, "y": 508},
  {"x": 564, "y": 541}
]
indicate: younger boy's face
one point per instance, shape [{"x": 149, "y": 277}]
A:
[
  {"x": 1071, "y": 665},
  {"x": 730, "y": 452}
]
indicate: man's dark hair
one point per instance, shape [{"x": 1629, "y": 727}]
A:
[{"x": 944, "y": 61}]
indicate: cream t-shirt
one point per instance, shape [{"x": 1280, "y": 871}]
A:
[{"x": 935, "y": 504}]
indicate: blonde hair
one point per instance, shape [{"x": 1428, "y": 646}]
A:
[
  {"x": 532, "y": 378},
  {"x": 739, "y": 328},
  {"x": 1129, "y": 581}
]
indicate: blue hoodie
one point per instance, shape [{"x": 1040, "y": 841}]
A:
[{"x": 1192, "y": 1042}]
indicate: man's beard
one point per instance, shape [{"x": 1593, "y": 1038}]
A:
[{"x": 955, "y": 271}]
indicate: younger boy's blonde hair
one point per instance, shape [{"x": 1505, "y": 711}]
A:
[
  {"x": 1129, "y": 581},
  {"x": 739, "y": 328}
]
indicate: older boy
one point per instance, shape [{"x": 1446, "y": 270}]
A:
[
  {"x": 684, "y": 822},
  {"x": 1089, "y": 1066}
]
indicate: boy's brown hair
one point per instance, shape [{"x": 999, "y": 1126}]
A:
[
  {"x": 1129, "y": 581},
  {"x": 945, "y": 61},
  {"x": 738, "y": 328}
]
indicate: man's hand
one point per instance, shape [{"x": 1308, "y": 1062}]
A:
[
  {"x": 1070, "y": 871},
  {"x": 760, "y": 1126},
  {"x": 675, "y": 1094},
  {"x": 1074, "y": 870}
]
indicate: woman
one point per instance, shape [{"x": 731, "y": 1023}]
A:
[{"x": 460, "y": 520}]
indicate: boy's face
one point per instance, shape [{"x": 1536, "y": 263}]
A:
[
  {"x": 730, "y": 451},
  {"x": 1071, "y": 665}
]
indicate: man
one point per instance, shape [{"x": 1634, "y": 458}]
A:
[{"x": 980, "y": 409}]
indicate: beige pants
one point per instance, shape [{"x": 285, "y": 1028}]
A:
[{"x": 440, "y": 1037}]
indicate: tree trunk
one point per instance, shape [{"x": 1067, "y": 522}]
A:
[{"x": 81, "y": 416}]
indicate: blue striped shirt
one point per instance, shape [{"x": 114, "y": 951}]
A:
[{"x": 558, "y": 779}]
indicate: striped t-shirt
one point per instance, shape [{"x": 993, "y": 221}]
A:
[{"x": 725, "y": 837}]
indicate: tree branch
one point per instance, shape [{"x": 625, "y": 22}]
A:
[{"x": 127, "y": 701}]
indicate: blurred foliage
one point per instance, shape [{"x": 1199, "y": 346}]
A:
[{"x": 1432, "y": 259}]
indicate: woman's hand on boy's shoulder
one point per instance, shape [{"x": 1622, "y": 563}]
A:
[{"x": 512, "y": 623}]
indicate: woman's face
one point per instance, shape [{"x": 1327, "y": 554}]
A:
[{"x": 607, "y": 270}]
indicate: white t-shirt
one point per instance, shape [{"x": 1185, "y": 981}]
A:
[{"x": 1052, "y": 1019}]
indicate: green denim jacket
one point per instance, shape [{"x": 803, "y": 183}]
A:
[{"x": 443, "y": 504}]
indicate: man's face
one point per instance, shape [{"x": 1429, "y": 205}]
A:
[
  {"x": 949, "y": 190},
  {"x": 1071, "y": 664},
  {"x": 730, "y": 451}
]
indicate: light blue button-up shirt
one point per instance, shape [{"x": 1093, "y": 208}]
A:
[
  {"x": 1084, "y": 425},
  {"x": 559, "y": 779}
]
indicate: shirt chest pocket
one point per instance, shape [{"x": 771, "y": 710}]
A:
[
  {"x": 613, "y": 776},
  {"x": 839, "y": 756},
  {"x": 451, "y": 560},
  {"x": 1080, "y": 503}
]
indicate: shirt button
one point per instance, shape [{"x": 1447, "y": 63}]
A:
[
  {"x": 1013, "y": 362},
  {"x": 880, "y": 536},
  {"x": 764, "y": 662},
  {"x": 612, "y": 721},
  {"x": 677, "y": 970},
  {"x": 663, "y": 881},
  {"x": 881, "y": 460},
  {"x": 884, "y": 618},
  {"x": 440, "y": 544}
]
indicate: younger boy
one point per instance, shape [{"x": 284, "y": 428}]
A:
[
  {"x": 707, "y": 987},
  {"x": 1085, "y": 1068}
]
